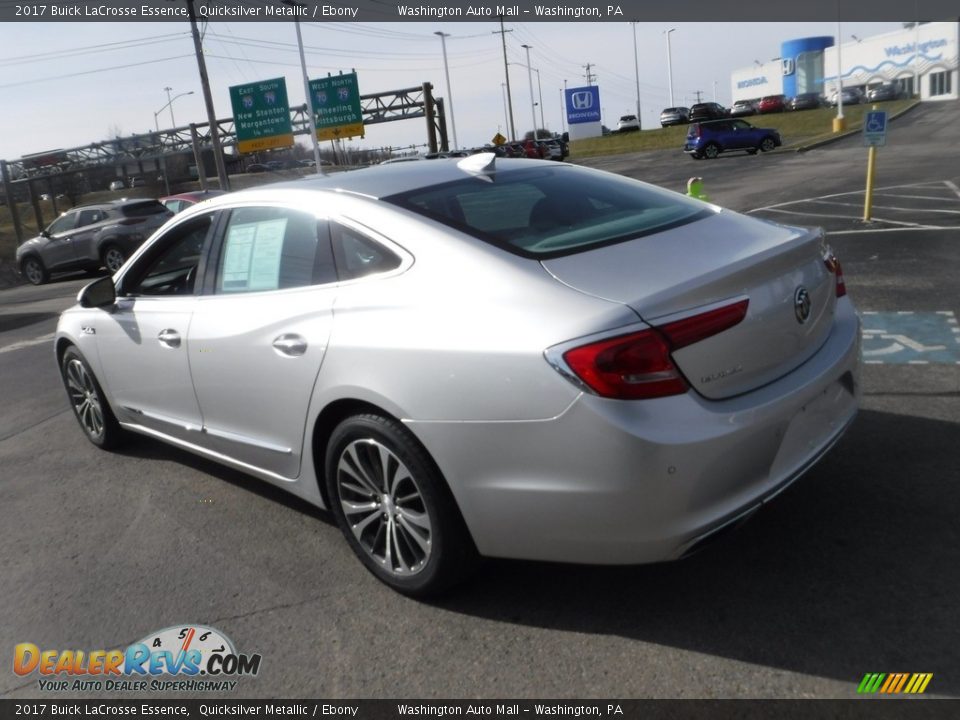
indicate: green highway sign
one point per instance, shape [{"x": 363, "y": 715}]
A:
[
  {"x": 261, "y": 115},
  {"x": 336, "y": 106}
]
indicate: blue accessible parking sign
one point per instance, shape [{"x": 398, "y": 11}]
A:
[{"x": 875, "y": 128}]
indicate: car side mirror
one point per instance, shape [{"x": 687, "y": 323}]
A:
[
  {"x": 44, "y": 233},
  {"x": 100, "y": 293}
]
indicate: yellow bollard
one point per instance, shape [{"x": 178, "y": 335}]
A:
[
  {"x": 839, "y": 124},
  {"x": 695, "y": 188}
]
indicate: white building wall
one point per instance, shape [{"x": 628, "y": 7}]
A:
[
  {"x": 873, "y": 60},
  {"x": 891, "y": 56},
  {"x": 756, "y": 81}
]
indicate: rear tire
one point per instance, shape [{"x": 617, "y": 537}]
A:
[
  {"x": 711, "y": 151},
  {"x": 88, "y": 402},
  {"x": 113, "y": 257},
  {"x": 395, "y": 508},
  {"x": 33, "y": 270},
  {"x": 767, "y": 144}
]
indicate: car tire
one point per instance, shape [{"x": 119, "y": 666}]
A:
[
  {"x": 33, "y": 270},
  {"x": 113, "y": 257},
  {"x": 88, "y": 402},
  {"x": 767, "y": 144},
  {"x": 711, "y": 151},
  {"x": 404, "y": 524}
]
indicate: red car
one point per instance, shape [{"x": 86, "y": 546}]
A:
[
  {"x": 176, "y": 203},
  {"x": 772, "y": 104}
]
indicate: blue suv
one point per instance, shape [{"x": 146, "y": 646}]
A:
[{"x": 709, "y": 139}]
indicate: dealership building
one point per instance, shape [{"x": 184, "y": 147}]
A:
[{"x": 923, "y": 56}]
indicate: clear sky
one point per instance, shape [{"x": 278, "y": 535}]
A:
[{"x": 70, "y": 84}]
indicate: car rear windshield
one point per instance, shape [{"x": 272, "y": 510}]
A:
[
  {"x": 142, "y": 209},
  {"x": 548, "y": 212}
]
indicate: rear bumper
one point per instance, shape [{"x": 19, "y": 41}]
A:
[{"x": 613, "y": 482}]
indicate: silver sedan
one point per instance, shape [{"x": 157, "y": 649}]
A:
[{"x": 479, "y": 357}]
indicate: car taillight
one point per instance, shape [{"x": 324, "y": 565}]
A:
[
  {"x": 833, "y": 265},
  {"x": 638, "y": 366}
]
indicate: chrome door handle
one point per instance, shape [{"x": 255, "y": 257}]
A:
[
  {"x": 169, "y": 338},
  {"x": 290, "y": 345}
]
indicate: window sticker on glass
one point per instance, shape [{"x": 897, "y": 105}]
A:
[{"x": 252, "y": 256}]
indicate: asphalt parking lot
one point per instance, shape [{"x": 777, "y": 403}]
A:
[{"x": 854, "y": 569}]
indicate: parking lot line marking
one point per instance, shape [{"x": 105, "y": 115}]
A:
[
  {"x": 932, "y": 183},
  {"x": 886, "y": 230},
  {"x": 26, "y": 343},
  {"x": 938, "y": 198}
]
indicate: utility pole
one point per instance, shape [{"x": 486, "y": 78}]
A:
[
  {"x": 698, "y": 94},
  {"x": 533, "y": 108},
  {"x": 208, "y": 101},
  {"x": 446, "y": 72},
  {"x": 506, "y": 72},
  {"x": 588, "y": 75}
]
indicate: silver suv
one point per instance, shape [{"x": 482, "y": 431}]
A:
[{"x": 90, "y": 237}]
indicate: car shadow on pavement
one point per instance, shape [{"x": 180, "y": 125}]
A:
[
  {"x": 139, "y": 446},
  {"x": 15, "y": 321},
  {"x": 854, "y": 569}
]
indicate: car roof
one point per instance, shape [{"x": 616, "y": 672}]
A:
[
  {"x": 194, "y": 195},
  {"x": 381, "y": 181}
]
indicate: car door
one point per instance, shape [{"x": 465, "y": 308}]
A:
[
  {"x": 88, "y": 223},
  {"x": 142, "y": 341},
  {"x": 742, "y": 135},
  {"x": 259, "y": 335},
  {"x": 57, "y": 252}
]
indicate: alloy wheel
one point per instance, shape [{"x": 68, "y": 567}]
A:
[
  {"x": 84, "y": 398},
  {"x": 384, "y": 507}
]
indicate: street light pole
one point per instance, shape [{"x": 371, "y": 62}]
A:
[
  {"x": 169, "y": 104},
  {"x": 838, "y": 123},
  {"x": 446, "y": 72},
  {"x": 533, "y": 110},
  {"x": 670, "y": 65},
  {"x": 312, "y": 118},
  {"x": 543, "y": 123},
  {"x": 636, "y": 69}
]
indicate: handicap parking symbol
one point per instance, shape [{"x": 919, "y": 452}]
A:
[{"x": 911, "y": 338}]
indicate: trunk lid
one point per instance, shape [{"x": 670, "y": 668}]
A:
[{"x": 713, "y": 262}]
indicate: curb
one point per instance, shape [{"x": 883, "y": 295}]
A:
[{"x": 848, "y": 133}]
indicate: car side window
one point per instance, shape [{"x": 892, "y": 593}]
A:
[
  {"x": 270, "y": 248},
  {"x": 63, "y": 223},
  {"x": 357, "y": 255},
  {"x": 88, "y": 217},
  {"x": 172, "y": 264}
]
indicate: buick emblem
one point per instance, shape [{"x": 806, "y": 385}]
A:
[{"x": 801, "y": 304}]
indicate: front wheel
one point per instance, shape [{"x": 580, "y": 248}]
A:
[
  {"x": 89, "y": 404},
  {"x": 113, "y": 258},
  {"x": 34, "y": 271},
  {"x": 767, "y": 144},
  {"x": 394, "y": 508}
]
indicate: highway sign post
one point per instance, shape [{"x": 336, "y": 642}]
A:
[{"x": 261, "y": 115}]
